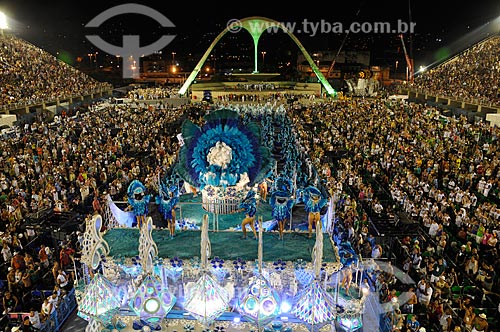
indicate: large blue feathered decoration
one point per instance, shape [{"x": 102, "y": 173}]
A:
[{"x": 223, "y": 152}]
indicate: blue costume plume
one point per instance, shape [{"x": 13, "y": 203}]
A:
[
  {"x": 282, "y": 204},
  {"x": 281, "y": 199},
  {"x": 223, "y": 152},
  {"x": 167, "y": 200},
  {"x": 137, "y": 198},
  {"x": 313, "y": 199},
  {"x": 283, "y": 183},
  {"x": 347, "y": 254},
  {"x": 249, "y": 204}
]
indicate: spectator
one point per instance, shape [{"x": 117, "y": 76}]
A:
[
  {"x": 63, "y": 280},
  {"x": 438, "y": 270},
  {"x": 412, "y": 301},
  {"x": 6, "y": 252},
  {"x": 472, "y": 266},
  {"x": 468, "y": 315},
  {"x": 54, "y": 300},
  {"x": 34, "y": 318},
  {"x": 12, "y": 284},
  {"x": 17, "y": 261},
  {"x": 465, "y": 78},
  {"x": 480, "y": 323},
  {"x": 26, "y": 70},
  {"x": 376, "y": 251},
  {"x": 446, "y": 320},
  {"x": 55, "y": 271},
  {"x": 10, "y": 302},
  {"x": 412, "y": 324},
  {"x": 46, "y": 309},
  {"x": 66, "y": 256},
  {"x": 43, "y": 257}
]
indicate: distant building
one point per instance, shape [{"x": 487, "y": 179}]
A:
[{"x": 346, "y": 66}]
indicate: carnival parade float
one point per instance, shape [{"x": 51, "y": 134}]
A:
[{"x": 139, "y": 277}]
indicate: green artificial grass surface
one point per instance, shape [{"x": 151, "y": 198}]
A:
[
  {"x": 227, "y": 245},
  {"x": 191, "y": 208}
]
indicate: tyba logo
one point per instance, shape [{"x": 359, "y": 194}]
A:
[{"x": 130, "y": 51}]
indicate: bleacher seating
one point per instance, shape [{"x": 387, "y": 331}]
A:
[
  {"x": 471, "y": 76},
  {"x": 29, "y": 74}
]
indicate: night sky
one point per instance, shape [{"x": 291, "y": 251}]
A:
[{"x": 60, "y": 26}]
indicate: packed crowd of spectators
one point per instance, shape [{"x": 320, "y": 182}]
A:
[
  {"x": 153, "y": 93},
  {"x": 256, "y": 86},
  {"x": 271, "y": 97},
  {"x": 69, "y": 166},
  {"x": 472, "y": 76},
  {"x": 29, "y": 75},
  {"x": 444, "y": 172}
]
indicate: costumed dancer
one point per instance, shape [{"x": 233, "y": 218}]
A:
[
  {"x": 249, "y": 206},
  {"x": 314, "y": 202},
  {"x": 167, "y": 202},
  {"x": 264, "y": 185},
  {"x": 138, "y": 200},
  {"x": 263, "y": 190},
  {"x": 282, "y": 202},
  {"x": 348, "y": 257}
]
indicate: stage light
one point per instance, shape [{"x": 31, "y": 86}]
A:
[
  {"x": 350, "y": 324},
  {"x": 285, "y": 307},
  {"x": 152, "y": 306},
  {"x": 236, "y": 320},
  {"x": 346, "y": 323},
  {"x": 3, "y": 21},
  {"x": 496, "y": 25}
]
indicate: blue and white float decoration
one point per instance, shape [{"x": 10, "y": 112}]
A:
[{"x": 223, "y": 158}]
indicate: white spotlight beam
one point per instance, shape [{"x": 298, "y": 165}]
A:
[{"x": 3, "y": 21}]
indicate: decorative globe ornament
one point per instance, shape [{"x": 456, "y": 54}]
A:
[
  {"x": 152, "y": 302},
  {"x": 259, "y": 303}
]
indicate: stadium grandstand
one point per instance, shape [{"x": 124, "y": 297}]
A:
[
  {"x": 30, "y": 75},
  {"x": 472, "y": 76}
]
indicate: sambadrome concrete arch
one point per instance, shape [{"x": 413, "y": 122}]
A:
[{"x": 256, "y": 25}]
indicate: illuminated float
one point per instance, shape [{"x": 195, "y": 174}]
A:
[{"x": 139, "y": 278}]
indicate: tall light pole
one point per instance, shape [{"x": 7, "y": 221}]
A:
[
  {"x": 263, "y": 56},
  {"x": 173, "y": 58}
]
